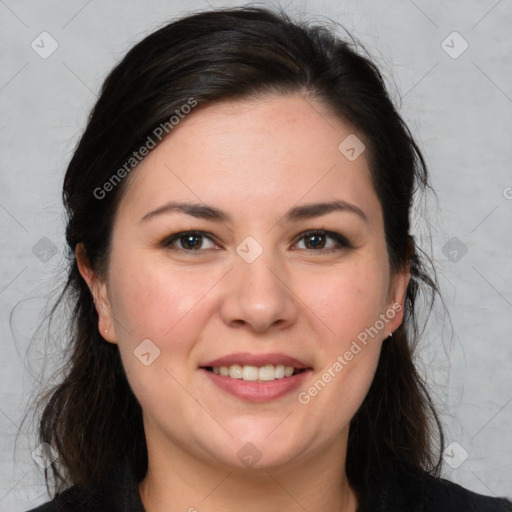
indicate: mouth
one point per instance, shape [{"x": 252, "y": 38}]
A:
[
  {"x": 256, "y": 377},
  {"x": 266, "y": 373}
]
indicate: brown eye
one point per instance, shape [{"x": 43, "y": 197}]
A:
[
  {"x": 189, "y": 241},
  {"x": 315, "y": 241},
  {"x": 323, "y": 241}
]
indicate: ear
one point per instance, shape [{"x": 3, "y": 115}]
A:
[
  {"x": 398, "y": 290},
  {"x": 99, "y": 292}
]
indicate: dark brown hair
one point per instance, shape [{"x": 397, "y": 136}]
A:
[{"x": 92, "y": 417}]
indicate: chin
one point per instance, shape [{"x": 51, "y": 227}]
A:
[{"x": 270, "y": 452}]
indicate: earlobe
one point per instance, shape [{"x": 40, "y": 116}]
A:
[
  {"x": 396, "y": 305},
  {"x": 99, "y": 295}
]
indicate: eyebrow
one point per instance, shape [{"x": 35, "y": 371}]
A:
[{"x": 203, "y": 211}]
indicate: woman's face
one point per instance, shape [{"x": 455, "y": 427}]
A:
[{"x": 248, "y": 285}]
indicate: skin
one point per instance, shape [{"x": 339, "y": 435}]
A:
[{"x": 253, "y": 159}]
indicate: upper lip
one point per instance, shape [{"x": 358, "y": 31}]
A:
[{"x": 245, "y": 358}]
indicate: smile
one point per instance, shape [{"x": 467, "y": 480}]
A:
[
  {"x": 255, "y": 377},
  {"x": 268, "y": 372}
]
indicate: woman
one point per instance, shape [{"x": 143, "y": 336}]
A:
[{"x": 244, "y": 284}]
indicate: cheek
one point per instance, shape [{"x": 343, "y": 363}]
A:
[
  {"x": 348, "y": 300},
  {"x": 348, "y": 305},
  {"x": 149, "y": 302}
]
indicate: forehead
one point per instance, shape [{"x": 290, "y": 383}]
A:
[{"x": 252, "y": 153}]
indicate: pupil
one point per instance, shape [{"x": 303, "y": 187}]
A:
[
  {"x": 315, "y": 240},
  {"x": 191, "y": 241}
]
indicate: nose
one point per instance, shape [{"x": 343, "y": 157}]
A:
[{"x": 258, "y": 296}]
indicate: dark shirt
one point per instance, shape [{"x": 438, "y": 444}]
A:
[{"x": 398, "y": 490}]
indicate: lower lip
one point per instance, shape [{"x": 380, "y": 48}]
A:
[{"x": 252, "y": 391}]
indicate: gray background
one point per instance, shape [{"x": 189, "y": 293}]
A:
[{"x": 459, "y": 110}]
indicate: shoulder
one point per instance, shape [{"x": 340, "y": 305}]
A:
[
  {"x": 46, "y": 507},
  {"x": 73, "y": 499},
  {"x": 396, "y": 487},
  {"x": 432, "y": 494},
  {"x": 118, "y": 492},
  {"x": 441, "y": 495}
]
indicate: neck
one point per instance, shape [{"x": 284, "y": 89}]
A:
[{"x": 177, "y": 480}]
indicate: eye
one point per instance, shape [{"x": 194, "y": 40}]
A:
[
  {"x": 189, "y": 241},
  {"x": 318, "y": 240}
]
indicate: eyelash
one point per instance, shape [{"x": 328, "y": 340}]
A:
[{"x": 342, "y": 242}]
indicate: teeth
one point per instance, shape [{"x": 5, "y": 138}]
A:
[
  {"x": 266, "y": 372},
  {"x": 254, "y": 373},
  {"x": 236, "y": 371},
  {"x": 288, "y": 371},
  {"x": 249, "y": 373}
]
